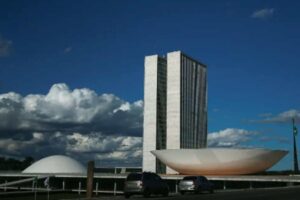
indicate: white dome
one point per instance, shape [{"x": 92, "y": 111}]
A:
[{"x": 56, "y": 164}]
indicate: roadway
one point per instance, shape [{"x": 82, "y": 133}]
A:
[{"x": 288, "y": 193}]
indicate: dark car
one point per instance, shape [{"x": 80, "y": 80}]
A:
[
  {"x": 195, "y": 184},
  {"x": 145, "y": 183}
]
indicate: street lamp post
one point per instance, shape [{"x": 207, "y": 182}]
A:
[{"x": 295, "y": 131}]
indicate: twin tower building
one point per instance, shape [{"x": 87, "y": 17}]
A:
[{"x": 175, "y": 106}]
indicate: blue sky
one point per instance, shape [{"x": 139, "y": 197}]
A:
[{"x": 251, "y": 49}]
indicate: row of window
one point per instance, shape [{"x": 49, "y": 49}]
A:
[{"x": 192, "y": 98}]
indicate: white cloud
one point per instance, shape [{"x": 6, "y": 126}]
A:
[
  {"x": 124, "y": 150},
  {"x": 62, "y": 105},
  {"x": 79, "y": 123},
  {"x": 263, "y": 13},
  {"x": 101, "y": 147},
  {"x": 230, "y": 137},
  {"x": 10, "y": 109},
  {"x": 15, "y": 147},
  {"x": 123, "y": 107},
  {"x": 5, "y": 47},
  {"x": 72, "y": 110},
  {"x": 284, "y": 117}
]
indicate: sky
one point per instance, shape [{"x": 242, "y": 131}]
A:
[{"x": 71, "y": 73}]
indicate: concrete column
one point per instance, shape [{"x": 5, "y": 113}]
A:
[
  {"x": 79, "y": 187},
  {"x": 97, "y": 186},
  {"x": 63, "y": 185},
  {"x": 90, "y": 177},
  {"x": 115, "y": 187}
]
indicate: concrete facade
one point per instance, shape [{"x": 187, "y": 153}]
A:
[
  {"x": 175, "y": 106},
  {"x": 154, "y": 135},
  {"x": 173, "y": 100}
]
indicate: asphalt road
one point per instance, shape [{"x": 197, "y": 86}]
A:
[
  {"x": 289, "y": 193},
  {"x": 292, "y": 193}
]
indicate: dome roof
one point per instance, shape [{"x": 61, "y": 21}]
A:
[{"x": 56, "y": 164}]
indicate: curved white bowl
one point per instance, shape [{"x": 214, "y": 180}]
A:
[{"x": 219, "y": 161}]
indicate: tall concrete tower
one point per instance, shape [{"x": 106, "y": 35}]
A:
[{"x": 175, "y": 106}]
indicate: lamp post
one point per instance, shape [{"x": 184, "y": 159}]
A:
[{"x": 295, "y": 131}]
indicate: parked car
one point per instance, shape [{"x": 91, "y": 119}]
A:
[
  {"x": 195, "y": 184},
  {"x": 145, "y": 183}
]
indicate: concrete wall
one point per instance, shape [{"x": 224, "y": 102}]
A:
[
  {"x": 173, "y": 102},
  {"x": 150, "y": 120}
]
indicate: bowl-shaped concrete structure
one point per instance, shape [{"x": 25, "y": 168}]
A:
[
  {"x": 56, "y": 164},
  {"x": 219, "y": 161}
]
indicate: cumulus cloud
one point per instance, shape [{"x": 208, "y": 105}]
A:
[
  {"x": 284, "y": 117},
  {"x": 230, "y": 137},
  {"x": 106, "y": 150},
  {"x": 13, "y": 147},
  {"x": 263, "y": 13},
  {"x": 79, "y": 123},
  {"x": 5, "y": 47},
  {"x": 68, "y": 110},
  {"x": 96, "y": 142},
  {"x": 125, "y": 150}
]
